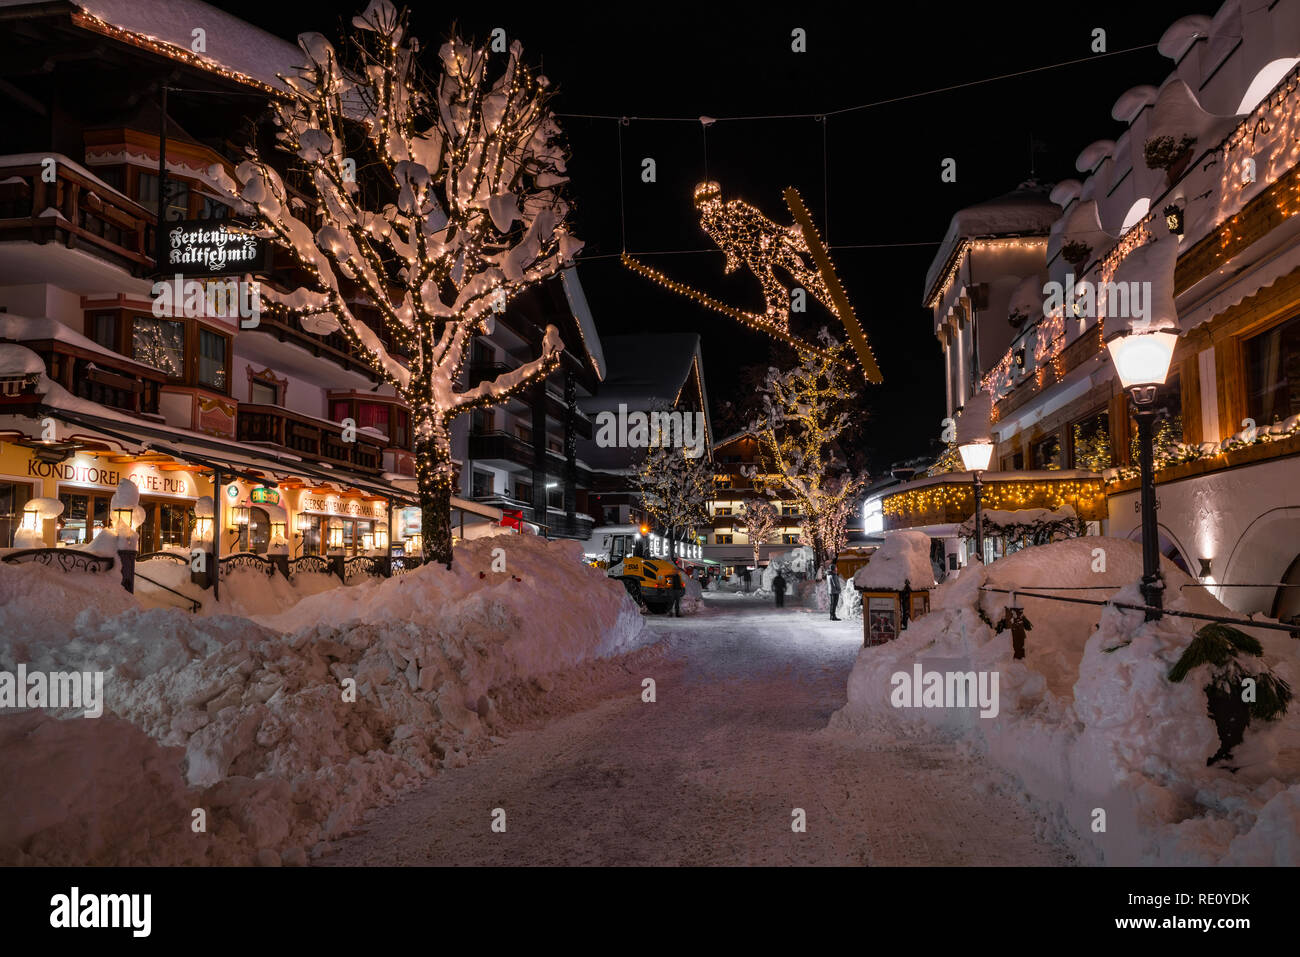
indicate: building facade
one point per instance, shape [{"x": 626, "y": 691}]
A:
[
  {"x": 1187, "y": 215},
  {"x": 280, "y": 425}
]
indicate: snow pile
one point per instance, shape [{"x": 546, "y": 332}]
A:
[
  {"x": 694, "y": 597},
  {"x": 904, "y": 559},
  {"x": 1088, "y": 719},
  {"x": 792, "y": 564},
  {"x": 285, "y": 730}
]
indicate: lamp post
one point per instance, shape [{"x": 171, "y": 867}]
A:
[
  {"x": 1142, "y": 363},
  {"x": 975, "y": 458}
]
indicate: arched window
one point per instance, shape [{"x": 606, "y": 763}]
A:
[
  {"x": 1134, "y": 214},
  {"x": 1264, "y": 81}
]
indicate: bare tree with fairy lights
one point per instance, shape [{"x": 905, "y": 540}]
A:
[
  {"x": 436, "y": 199},
  {"x": 675, "y": 489},
  {"x": 805, "y": 413},
  {"x": 760, "y": 519}
]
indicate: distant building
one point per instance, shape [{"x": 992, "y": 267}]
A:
[{"x": 644, "y": 373}]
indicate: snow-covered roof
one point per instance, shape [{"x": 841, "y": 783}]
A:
[
  {"x": 25, "y": 329},
  {"x": 573, "y": 292},
  {"x": 1026, "y": 210},
  {"x": 15, "y": 360},
  {"x": 645, "y": 369},
  {"x": 232, "y": 45},
  {"x": 904, "y": 559}
]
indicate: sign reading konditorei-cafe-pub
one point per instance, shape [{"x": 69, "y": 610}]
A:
[{"x": 89, "y": 473}]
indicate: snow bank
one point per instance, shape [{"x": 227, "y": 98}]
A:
[
  {"x": 1088, "y": 719},
  {"x": 284, "y": 729},
  {"x": 904, "y": 558}
]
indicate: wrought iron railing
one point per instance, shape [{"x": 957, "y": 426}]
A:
[{"x": 65, "y": 559}]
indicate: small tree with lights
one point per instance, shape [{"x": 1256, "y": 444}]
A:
[
  {"x": 435, "y": 200},
  {"x": 805, "y": 412},
  {"x": 675, "y": 489},
  {"x": 760, "y": 517}
]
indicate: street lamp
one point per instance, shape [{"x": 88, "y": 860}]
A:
[
  {"x": 1142, "y": 363},
  {"x": 975, "y": 458}
]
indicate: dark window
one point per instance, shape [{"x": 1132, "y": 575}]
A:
[
  {"x": 788, "y": 539},
  {"x": 213, "y": 209},
  {"x": 523, "y": 491},
  {"x": 724, "y": 539},
  {"x": 482, "y": 486},
  {"x": 555, "y": 497},
  {"x": 104, "y": 330},
  {"x": 212, "y": 360},
  {"x": 178, "y": 196},
  {"x": 340, "y": 409},
  {"x": 1014, "y": 462},
  {"x": 1273, "y": 373},
  {"x": 13, "y": 496},
  {"x": 401, "y": 430},
  {"x": 1048, "y": 453},
  {"x": 174, "y": 523},
  {"x": 159, "y": 343},
  {"x": 264, "y": 393},
  {"x": 113, "y": 176}
]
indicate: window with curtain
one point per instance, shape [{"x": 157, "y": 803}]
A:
[
  {"x": 212, "y": 360},
  {"x": 372, "y": 415},
  {"x": 159, "y": 343},
  {"x": 1273, "y": 373}
]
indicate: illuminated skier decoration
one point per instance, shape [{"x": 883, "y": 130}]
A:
[{"x": 748, "y": 238}]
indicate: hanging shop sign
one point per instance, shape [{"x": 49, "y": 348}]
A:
[
  {"x": 213, "y": 247},
  {"x": 264, "y": 496}
]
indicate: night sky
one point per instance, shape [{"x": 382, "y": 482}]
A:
[{"x": 876, "y": 182}]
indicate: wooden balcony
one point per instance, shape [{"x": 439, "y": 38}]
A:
[
  {"x": 76, "y": 211},
  {"x": 311, "y": 438}
]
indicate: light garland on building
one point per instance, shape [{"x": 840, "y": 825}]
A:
[
  {"x": 1086, "y": 495},
  {"x": 964, "y": 247}
]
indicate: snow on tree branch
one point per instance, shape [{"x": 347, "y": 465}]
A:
[{"x": 432, "y": 199}]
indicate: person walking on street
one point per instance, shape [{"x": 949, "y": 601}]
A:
[
  {"x": 833, "y": 585},
  {"x": 778, "y": 588}
]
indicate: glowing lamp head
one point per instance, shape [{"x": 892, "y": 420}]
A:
[
  {"x": 381, "y": 537},
  {"x": 277, "y": 529},
  {"x": 707, "y": 192},
  {"x": 31, "y": 520},
  {"x": 643, "y": 530},
  {"x": 336, "y": 536},
  {"x": 239, "y": 516},
  {"x": 124, "y": 517},
  {"x": 975, "y": 456},
  {"x": 1142, "y": 361},
  {"x": 203, "y": 528},
  {"x": 304, "y": 522}
]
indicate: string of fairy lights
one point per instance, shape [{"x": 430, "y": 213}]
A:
[{"x": 935, "y": 504}]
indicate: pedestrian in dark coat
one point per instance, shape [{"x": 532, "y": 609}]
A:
[
  {"x": 778, "y": 588},
  {"x": 833, "y": 584}
]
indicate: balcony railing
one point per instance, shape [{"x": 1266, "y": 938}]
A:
[
  {"x": 312, "y": 438},
  {"x": 75, "y": 210}
]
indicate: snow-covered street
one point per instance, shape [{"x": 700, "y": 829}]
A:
[{"x": 712, "y": 771}]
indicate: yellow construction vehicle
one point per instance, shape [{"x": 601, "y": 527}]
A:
[{"x": 655, "y": 583}]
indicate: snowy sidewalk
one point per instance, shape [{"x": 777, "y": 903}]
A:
[{"x": 710, "y": 772}]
